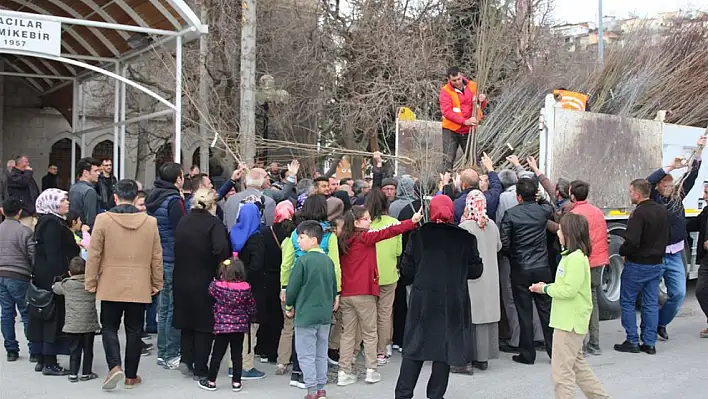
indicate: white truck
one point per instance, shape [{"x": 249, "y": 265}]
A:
[{"x": 607, "y": 151}]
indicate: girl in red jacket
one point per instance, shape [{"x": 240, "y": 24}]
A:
[{"x": 360, "y": 288}]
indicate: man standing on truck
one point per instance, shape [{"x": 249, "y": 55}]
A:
[
  {"x": 645, "y": 239},
  {"x": 458, "y": 102},
  {"x": 599, "y": 257},
  {"x": 665, "y": 192}
]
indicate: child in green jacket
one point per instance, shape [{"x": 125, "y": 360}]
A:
[{"x": 570, "y": 312}]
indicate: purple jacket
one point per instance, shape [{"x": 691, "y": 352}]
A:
[{"x": 234, "y": 306}]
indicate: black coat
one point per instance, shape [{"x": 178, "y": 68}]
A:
[
  {"x": 523, "y": 235},
  {"x": 439, "y": 259},
  {"x": 21, "y": 185},
  {"x": 253, "y": 257},
  {"x": 201, "y": 244},
  {"x": 55, "y": 247}
]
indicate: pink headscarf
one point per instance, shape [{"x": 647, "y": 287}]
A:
[
  {"x": 283, "y": 211},
  {"x": 476, "y": 208}
]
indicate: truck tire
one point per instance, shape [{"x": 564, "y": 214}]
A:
[{"x": 608, "y": 293}]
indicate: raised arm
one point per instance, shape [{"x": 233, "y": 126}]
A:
[{"x": 371, "y": 237}]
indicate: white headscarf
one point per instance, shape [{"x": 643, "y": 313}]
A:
[{"x": 48, "y": 202}]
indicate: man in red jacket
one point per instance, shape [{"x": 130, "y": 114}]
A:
[
  {"x": 600, "y": 256},
  {"x": 457, "y": 105}
]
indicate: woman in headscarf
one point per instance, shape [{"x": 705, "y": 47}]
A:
[
  {"x": 201, "y": 244},
  {"x": 273, "y": 237},
  {"x": 439, "y": 259},
  {"x": 55, "y": 247},
  {"x": 248, "y": 245},
  {"x": 484, "y": 292},
  {"x": 345, "y": 200}
]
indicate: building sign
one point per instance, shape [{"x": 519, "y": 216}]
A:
[{"x": 29, "y": 34}]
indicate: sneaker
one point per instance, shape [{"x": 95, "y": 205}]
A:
[
  {"x": 55, "y": 370},
  {"x": 145, "y": 336},
  {"x": 131, "y": 383},
  {"x": 264, "y": 359},
  {"x": 389, "y": 350},
  {"x": 13, "y": 356},
  {"x": 661, "y": 332},
  {"x": 704, "y": 333},
  {"x": 321, "y": 394},
  {"x": 236, "y": 386},
  {"x": 147, "y": 346},
  {"x": 160, "y": 362},
  {"x": 145, "y": 352},
  {"x": 113, "y": 378},
  {"x": 297, "y": 381},
  {"x": 593, "y": 350},
  {"x": 344, "y": 379},
  {"x": 281, "y": 369},
  {"x": 466, "y": 370},
  {"x": 627, "y": 347},
  {"x": 372, "y": 376},
  {"x": 73, "y": 378},
  {"x": 382, "y": 360},
  {"x": 396, "y": 347},
  {"x": 252, "y": 374},
  {"x": 207, "y": 385},
  {"x": 172, "y": 364},
  {"x": 333, "y": 357},
  {"x": 88, "y": 377},
  {"x": 521, "y": 359},
  {"x": 231, "y": 372},
  {"x": 649, "y": 350}
]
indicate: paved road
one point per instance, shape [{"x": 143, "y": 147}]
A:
[{"x": 679, "y": 370}]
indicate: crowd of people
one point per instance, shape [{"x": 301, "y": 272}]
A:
[{"x": 305, "y": 272}]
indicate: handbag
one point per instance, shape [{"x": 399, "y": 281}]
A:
[{"x": 40, "y": 302}]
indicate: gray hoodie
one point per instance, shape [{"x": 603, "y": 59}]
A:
[{"x": 405, "y": 195}]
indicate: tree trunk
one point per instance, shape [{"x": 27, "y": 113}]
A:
[{"x": 247, "y": 130}]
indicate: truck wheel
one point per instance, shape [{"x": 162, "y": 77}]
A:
[{"x": 608, "y": 293}]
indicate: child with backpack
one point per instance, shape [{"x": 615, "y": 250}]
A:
[
  {"x": 312, "y": 290},
  {"x": 234, "y": 308},
  {"x": 81, "y": 320},
  {"x": 360, "y": 288}
]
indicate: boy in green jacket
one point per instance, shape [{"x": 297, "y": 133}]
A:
[
  {"x": 312, "y": 290},
  {"x": 570, "y": 312}
]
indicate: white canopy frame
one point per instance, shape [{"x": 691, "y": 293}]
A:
[{"x": 165, "y": 38}]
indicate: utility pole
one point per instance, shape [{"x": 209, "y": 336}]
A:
[
  {"x": 247, "y": 132},
  {"x": 203, "y": 94},
  {"x": 600, "y": 34}
]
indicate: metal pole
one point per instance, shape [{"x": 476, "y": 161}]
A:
[
  {"x": 122, "y": 126},
  {"x": 74, "y": 128},
  {"x": 83, "y": 119},
  {"x": 116, "y": 115},
  {"x": 600, "y": 34},
  {"x": 177, "y": 146},
  {"x": 203, "y": 96},
  {"x": 247, "y": 129}
]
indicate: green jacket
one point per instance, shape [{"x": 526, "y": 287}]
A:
[
  {"x": 288, "y": 262},
  {"x": 572, "y": 297},
  {"x": 312, "y": 289},
  {"x": 387, "y": 251}
]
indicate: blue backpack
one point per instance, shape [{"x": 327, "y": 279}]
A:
[{"x": 324, "y": 244}]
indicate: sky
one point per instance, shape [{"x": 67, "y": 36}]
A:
[{"x": 582, "y": 11}]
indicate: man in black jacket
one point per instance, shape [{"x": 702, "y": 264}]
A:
[
  {"x": 106, "y": 182},
  {"x": 21, "y": 185},
  {"x": 523, "y": 236},
  {"x": 700, "y": 224},
  {"x": 51, "y": 180},
  {"x": 645, "y": 241}
]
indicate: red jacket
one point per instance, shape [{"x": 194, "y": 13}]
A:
[
  {"x": 467, "y": 99},
  {"x": 360, "y": 272},
  {"x": 600, "y": 255}
]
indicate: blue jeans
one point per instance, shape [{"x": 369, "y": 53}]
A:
[
  {"x": 642, "y": 279},
  {"x": 12, "y": 296},
  {"x": 151, "y": 315},
  {"x": 311, "y": 345},
  {"x": 675, "y": 280},
  {"x": 168, "y": 337}
]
